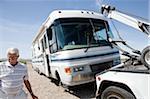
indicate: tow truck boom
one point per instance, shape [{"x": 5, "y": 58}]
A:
[
  {"x": 141, "y": 25},
  {"x": 138, "y": 24},
  {"x": 117, "y": 82}
]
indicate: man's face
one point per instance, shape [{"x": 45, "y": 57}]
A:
[{"x": 12, "y": 58}]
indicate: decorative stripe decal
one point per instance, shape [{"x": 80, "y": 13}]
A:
[{"x": 106, "y": 54}]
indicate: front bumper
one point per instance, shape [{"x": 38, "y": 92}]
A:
[{"x": 78, "y": 79}]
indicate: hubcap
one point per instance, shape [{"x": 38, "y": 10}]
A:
[
  {"x": 113, "y": 97},
  {"x": 147, "y": 58}
]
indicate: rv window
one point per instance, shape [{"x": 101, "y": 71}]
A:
[
  {"x": 49, "y": 33},
  {"x": 45, "y": 44},
  {"x": 42, "y": 42},
  {"x": 38, "y": 47}
]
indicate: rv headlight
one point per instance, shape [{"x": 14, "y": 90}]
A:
[{"x": 77, "y": 69}]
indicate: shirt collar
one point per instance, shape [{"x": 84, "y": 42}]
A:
[{"x": 9, "y": 65}]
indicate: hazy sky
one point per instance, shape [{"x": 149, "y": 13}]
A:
[{"x": 21, "y": 19}]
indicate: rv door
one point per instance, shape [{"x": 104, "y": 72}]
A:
[{"x": 46, "y": 55}]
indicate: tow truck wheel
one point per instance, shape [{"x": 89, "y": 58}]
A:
[
  {"x": 114, "y": 92},
  {"x": 145, "y": 57}
]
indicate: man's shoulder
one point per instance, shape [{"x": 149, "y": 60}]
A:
[
  {"x": 2, "y": 63},
  {"x": 2, "y": 66},
  {"x": 22, "y": 65}
]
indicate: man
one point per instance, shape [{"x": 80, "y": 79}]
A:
[{"x": 12, "y": 76}]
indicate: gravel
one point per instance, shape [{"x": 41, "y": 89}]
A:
[{"x": 43, "y": 88}]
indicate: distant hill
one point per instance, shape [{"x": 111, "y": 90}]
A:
[{"x": 21, "y": 60}]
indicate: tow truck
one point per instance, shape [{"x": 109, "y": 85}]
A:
[{"x": 131, "y": 78}]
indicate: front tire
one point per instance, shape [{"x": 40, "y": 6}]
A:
[
  {"x": 58, "y": 82},
  {"x": 114, "y": 92}
]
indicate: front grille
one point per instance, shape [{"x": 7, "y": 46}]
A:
[{"x": 96, "y": 68}]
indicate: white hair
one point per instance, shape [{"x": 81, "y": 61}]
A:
[{"x": 13, "y": 51}]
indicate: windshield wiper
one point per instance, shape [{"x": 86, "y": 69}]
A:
[
  {"x": 89, "y": 41},
  {"x": 89, "y": 44},
  {"x": 87, "y": 48}
]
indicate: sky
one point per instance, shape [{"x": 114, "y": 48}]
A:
[{"x": 21, "y": 19}]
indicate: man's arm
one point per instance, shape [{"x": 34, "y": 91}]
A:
[
  {"x": 0, "y": 83},
  {"x": 28, "y": 86}
]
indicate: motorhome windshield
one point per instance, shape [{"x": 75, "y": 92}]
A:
[{"x": 74, "y": 33}]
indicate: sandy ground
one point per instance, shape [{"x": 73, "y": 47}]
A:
[{"x": 45, "y": 89}]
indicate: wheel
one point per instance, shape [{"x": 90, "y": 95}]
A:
[
  {"x": 145, "y": 57},
  {"x": 39, "y": 72},
  {"x": 58, "y": 81},
  {"x": 113, "y": 92}
]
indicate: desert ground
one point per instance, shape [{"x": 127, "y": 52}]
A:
[{"x": 44, "y": 88}]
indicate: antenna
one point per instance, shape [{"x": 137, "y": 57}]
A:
[{"x": 99, "y": 2}]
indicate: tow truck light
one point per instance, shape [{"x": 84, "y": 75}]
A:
[{"x": 98, "y": 78}]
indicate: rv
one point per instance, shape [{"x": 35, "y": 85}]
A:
[{"x": 72, "y": 46}]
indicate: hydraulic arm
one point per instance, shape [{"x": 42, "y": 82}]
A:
[{"x": 138, "y": 24}]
